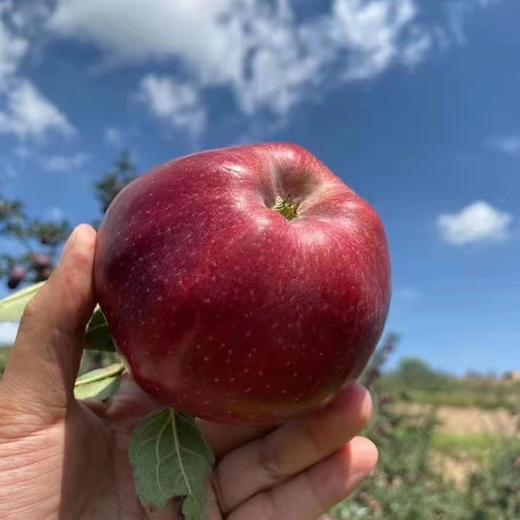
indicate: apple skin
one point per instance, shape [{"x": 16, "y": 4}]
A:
[{"x": 225, "y": 309}]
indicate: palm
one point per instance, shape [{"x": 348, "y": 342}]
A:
[{"x": 100, "y": 433}]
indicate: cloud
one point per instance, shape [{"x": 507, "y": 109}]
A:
[
  {"x": 8, "y": 333},
  {"x": 407, "y": 294},
  {"x": 55, "y": 214},
  {"x": 113, "y": 137},
  {"x": 474, "y": 223},
  {"x": 27, "y": 113},
  {"x": 458, "y": 12},
  {"x": 129, "y": 30},
  {"x": 11, "y": 171},
  {"x": 22, "y": 151},
  {"x": 508, "y": 144},
  {"x": 259, "y": 50},
  {"x": 24, "y": 111},
  {"x": 61, "y": 163},
  {"x": 173, "y": 102},
  {"x": 270, "y": 55},
  {"x": 12, "y": 47}
]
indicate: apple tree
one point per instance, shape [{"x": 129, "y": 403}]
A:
[{"x": 34, "y": 242}]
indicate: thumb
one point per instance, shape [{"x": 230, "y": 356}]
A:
[{"x": 46, "y": 355}]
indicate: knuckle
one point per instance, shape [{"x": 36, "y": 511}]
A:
[
  {"x": 271, "y": 463},
  {"x": 220, "y": 496},
  {"x": 314, "y": 491},
  {"x": 268, "y": 506},
  {"x": 31, "y": 312},
  {"x": 314, "y": 436}
]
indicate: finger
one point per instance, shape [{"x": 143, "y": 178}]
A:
[
  {"x": 312, "y": 493},
  {"x": 212, "y": 507},
  {"x": 47, "y": 350},
  {"x": 222, "y": 438},
  {"x": 292, "y": 448}
]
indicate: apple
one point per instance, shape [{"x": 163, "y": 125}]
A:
[
  {"x": 16, "y": 276},
  {"x": 243, "y": 285},
  {"x": 40, "y": 261}
]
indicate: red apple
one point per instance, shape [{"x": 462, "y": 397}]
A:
[
  {"x": 243, "y": 285},
  {"x": 40, "y": 261},
  {"x": 16, "y": 276}
]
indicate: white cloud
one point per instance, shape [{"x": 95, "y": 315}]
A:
[
  {"x": 407, "y": 294},
  {"x": 508, "y": 144},
  {"x": 258, "y": 49},
  {"x": 27, "y": 113},
  {"x": 458, "y": 13},
  {"x": 54, "y": 213},
  {"x": 8, "y": 333},
  {"x": 371, "y": 31},
  {"x": 24, "y": 111},
  {"x": 12, "y": 47},
  {"x": 62, "y": 163},
  {"x": 474, "y": 223},
  {"x": 11, "y": 171},
  {"x": 269, "y": 56},
  {"x": 113, "y": 136},
  {"x": 173, "y": 102},
  {"x": 22, "y": 151}
]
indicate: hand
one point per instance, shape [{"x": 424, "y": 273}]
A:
[{"x": 65, "y": 459}]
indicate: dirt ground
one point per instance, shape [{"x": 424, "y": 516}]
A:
[{"x": 464, "y": 421}]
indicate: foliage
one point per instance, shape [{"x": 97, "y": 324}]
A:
[
  {"x": 114, "y": 181},
  {"x": 169, "y": 459},
  {"x": 37, "y": 244},
  {"x": 407, "y": 485},
  {"x": 39, "y": 241},
  {"x": 415, "y": 381},
  {"x": 415, "y": 373}
]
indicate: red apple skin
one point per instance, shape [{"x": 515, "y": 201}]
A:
[{"x": 225, "y": 309}]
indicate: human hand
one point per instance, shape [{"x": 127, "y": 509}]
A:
[{"x": 66, "y": 459}]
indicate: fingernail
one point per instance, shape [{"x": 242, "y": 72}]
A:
[{"x": 366, "y": 453}]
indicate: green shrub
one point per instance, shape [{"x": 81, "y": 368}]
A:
[{"x": 406, "y": 484}]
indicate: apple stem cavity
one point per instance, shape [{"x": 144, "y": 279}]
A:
[{"x": 286, "y": 207}]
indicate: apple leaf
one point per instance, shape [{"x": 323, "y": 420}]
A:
[
  {"x": 98, "y": 335},
  {"x": 12, "y": 307},
  {"x": 98, "y": 384},
  {"x": 170, "y": 459}
]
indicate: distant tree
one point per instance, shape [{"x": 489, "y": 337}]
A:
[
  {"x": 123, "y": 172},
  {"x": 474, "y": 374},
  {"x": 38, "y": 241},
  {"x": 415, "y": 373}
]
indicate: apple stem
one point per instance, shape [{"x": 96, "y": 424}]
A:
[{"x": 286, "y": 207}]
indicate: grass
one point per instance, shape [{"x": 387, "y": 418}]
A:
[
  {"x": 462, "y": 393},
  {"x": 475, "y": 446},
  {"x": 463, "y": 398}
]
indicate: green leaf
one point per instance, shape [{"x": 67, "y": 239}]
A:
[
  {"x": 12, "y": 307},
  {"x": 170, "y": 459},
  {"x": 98, "y": 335},
  {"x": 98, "y": 384}
]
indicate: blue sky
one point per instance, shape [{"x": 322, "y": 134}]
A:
[{"x": 412, "y": 103}]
